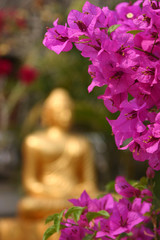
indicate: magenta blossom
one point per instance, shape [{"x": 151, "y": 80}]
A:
[
  {"x": 123, "y": 188},
  {"x": 150, "y": 172},
  {"x": 132, "y": 85},
  {"x": 130, "y": 120},
  {"x": 124, "y": 218},
  {"x": 57, "y": 39}
]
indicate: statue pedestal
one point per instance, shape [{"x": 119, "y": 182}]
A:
[{"x": 20, "y": 229}]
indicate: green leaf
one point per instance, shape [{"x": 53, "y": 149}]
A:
[
  {"x": 57, "y": 218},
  {"x": 51, "y": 218},
  {"x": 91, "y": 215},
  {"x": 122, "y": 235},
  {"x": 144, "y": 181},
  {"x": 50, "y": 231},
  {"x": 88, "y": 237},
  {"x": 104, "y": 213},
  {"x": 113, "y": 28},
  {"x": 110, "y": 187},
  {"x": 147, "y": 214},
  {"x": 83, "y": 37},
  {"x": 139, "y": 186},
  {"x": 75, "y": 211},
  {"x": 57, "y": 221},
  {"x": 134, "y": 32},
  {"x": 142, "y": 184}
]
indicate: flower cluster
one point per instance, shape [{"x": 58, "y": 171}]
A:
[
  {"x": 123, "y": 47},
  {"x": 108, "y": 218}
]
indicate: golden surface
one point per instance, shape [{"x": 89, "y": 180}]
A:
[
  {"x": 16, "y": 229},
  {"x": 58, "y": 165}
]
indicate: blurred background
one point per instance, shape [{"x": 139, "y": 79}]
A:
[{"x": 28, "y": 73}]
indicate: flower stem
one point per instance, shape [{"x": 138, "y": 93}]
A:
[
  {"x": 154, "y": 221},
  {"x": 4, "y": 116},
  {"x": 148, "y": 53},
  {"x": 76, "y": 225},
  {"x": 154, "y": 43}
]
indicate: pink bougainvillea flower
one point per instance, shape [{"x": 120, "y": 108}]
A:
[
  {"x": 105, "y": 230},
  {"x": 141, "y": 207},
  {"x": 128, "y": 11},
  {"x": 104, "y": 203},
  {"x": 123, "y": 188},
  {"x": 150, "y": 172},
  {"x": 124, "y": 218},
  {"x": 74, "y": 232},
  {"x": 154, "y": 160},
  {"x": 130, "y": 120},
  {"x": 142, "y": 233},
  {"x": 147, "y": 195},
  {"x": 138, "y": 152},
  {"x": 83, "y": 201},
  {"x": 123, "y": 47},
  {"x": 132, "y": 85},
  {"x": 57, "y": 39}
]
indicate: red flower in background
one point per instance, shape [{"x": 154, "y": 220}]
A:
[
  {"x": 1, "y": 21},
  {"x": 27, "y": 74},
  {"x": 16, "y": 17},
  {"x": 5, "y": 67},
  {"x": 21, "y": 22}
]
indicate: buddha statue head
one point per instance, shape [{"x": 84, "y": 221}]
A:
[{"x": 58, "y": 109}]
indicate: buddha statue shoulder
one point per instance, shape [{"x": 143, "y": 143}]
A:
[{"x": 57, "y": 164}]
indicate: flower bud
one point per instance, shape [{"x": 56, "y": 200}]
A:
[{"x": 150, "y": 172}]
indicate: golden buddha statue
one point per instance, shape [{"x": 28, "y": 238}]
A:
[{"x": 58, "y": 165}]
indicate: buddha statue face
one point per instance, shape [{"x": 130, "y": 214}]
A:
[{"x": 57, "y": 109}]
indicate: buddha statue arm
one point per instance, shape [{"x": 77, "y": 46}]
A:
[
  {"x": 88, "y": 182},
  {"x": 33, "y": 172},
  {"x": 89, "y": 169},
  {"x": 31, "y": 183}
]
